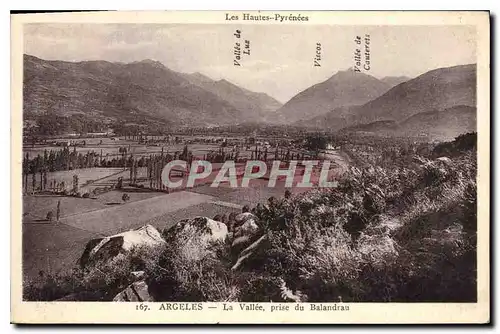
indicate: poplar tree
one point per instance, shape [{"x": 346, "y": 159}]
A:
[
  {"x": 58, "y": 212},
  {"x": 75, "y": 183}
]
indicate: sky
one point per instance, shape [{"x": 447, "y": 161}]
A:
[{"x": 281, "y": 60}]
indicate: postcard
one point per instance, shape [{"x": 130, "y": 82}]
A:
[{"x": 255, "y": 167}]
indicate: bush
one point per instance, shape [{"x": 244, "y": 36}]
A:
[
  {"x": 102, "y": 281},
  {"x": 50, "y": 216},
  {"x": 401, "y": 230},
  {"x": 119, "y": 184},
  {"x": 190, "y": 271}
]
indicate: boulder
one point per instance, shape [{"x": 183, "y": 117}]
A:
[
  {"x": 246, "y": 224},
  {"x": 194, "y": 238},
  {"x": 135, "y": 292},
  {"x": 247, "y": 238},
  {"x": 138, "y": 275},
  {"x": 206, "y": 229},
  {"x": 101, "y": 249},
  {"x": 445, "y": 160},
  {"x": 249, "y": 251}
]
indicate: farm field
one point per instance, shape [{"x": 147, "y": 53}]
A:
[
  {"x": 35, "y": 208},
  {"x": 122, "y": 217},
  {"x": 111, "y": 147},
  {"x": 85, "y": 175},
  {"x": 54, "y": 246}
]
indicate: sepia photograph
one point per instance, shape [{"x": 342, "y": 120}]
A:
[{"x": 259, "y": 158}]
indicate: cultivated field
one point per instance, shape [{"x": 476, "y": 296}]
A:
[{"x": 51, "y": 246}]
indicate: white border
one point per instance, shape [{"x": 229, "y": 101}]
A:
[{"x": 145, "y": 4}]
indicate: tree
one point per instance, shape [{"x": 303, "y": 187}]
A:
[
  {"x": 58, "y": 212},
  {"x": 119, "y": 185},
  {"x": 75, "y": 183},
  {"x": 316, "y": 142},
  {"x": 33, "y": 182}
]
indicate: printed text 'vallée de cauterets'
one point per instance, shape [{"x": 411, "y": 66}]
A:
[{"x": 362, "y": 54}]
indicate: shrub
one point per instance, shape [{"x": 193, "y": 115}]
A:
[
  {"x": 119, "y": 184},
  {"x": 102, "y": 281},
  {"x": 125, "y": 198},
  {"x": 400, "y": 229}
]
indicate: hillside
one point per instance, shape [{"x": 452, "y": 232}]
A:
[
  {"x": 401, "y": 226},
  {"x": 254, "y": 106},
  {"x": 345, "y": 88},
  {"x": 436, "y": 124},
  {"x": 434, "y": 92},
  {"x": 394, "y": 81},
  {"x": 438, "y": 89},
  {"x": 443, "y": 125},
  {"x": 135, "y": 92}
]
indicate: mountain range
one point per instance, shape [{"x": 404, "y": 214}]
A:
[
  {"x": 394, "y": 81},
  {"x": 144, "y": 90},
  {"x": 344, "y": 89},
  {"x": 254, "y": 106},
  {"x": 439, "y": 95},
  {"x": 435, "y": 124},
  {"x": 441, "y": 101}
]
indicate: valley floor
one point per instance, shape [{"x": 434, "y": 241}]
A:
[{"x": 51, "y": 247}]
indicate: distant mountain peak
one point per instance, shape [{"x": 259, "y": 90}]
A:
[
  {"x": 150, "y": 62},
  {"x": 224, "y": 81},
  {"x": 452, "y": 89},
  {"x": 348, "y": 70},
  {"x": 395, "y": 80},
  {"x": 344, "y": 88},
  {"x": 200, "y": 76}
]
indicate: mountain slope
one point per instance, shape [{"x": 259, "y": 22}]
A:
[
  {"x": 443, "y": 124},
  {"x": 394, "y": 81},
  {"x": 253, "y": 106},
  {"x": 438, "y": 89},
  {"x": 115, "y": 91},
  {"x": 436, "y": 124},
  {"x": 345, "y": 88}
]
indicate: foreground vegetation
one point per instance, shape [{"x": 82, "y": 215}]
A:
[{"x": 401, "y": 226}]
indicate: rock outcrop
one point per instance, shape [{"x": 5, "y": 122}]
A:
[
  {"x": 246, "y": 231},
  {"x": 248, "y": 238},
  {"x": 102, "y": 249},
  {"x": 194, "y": 238},
  {"x": 135, "y": 292},
  {"x": 204, "y": 228}
]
